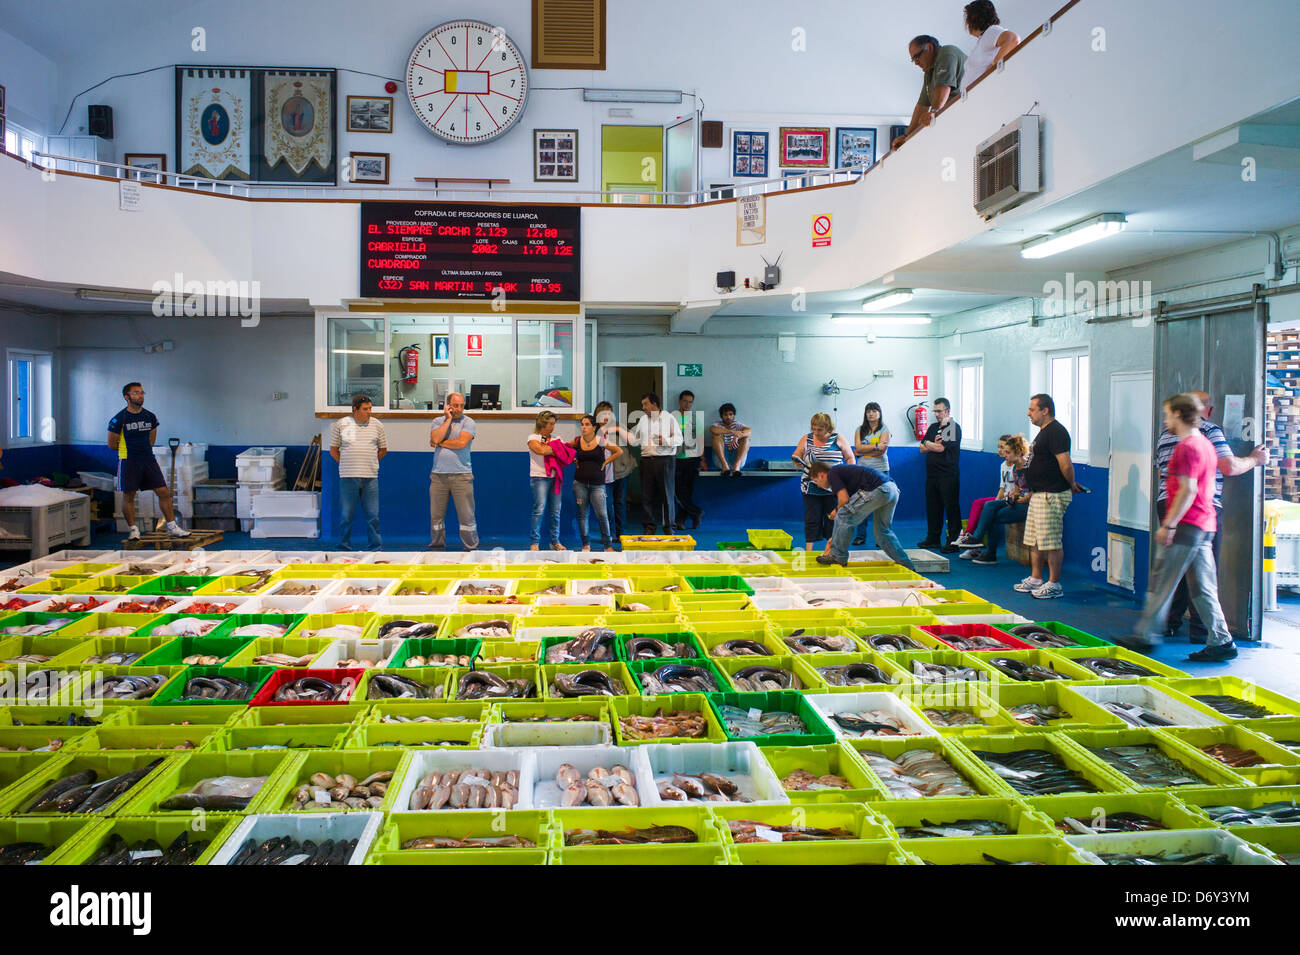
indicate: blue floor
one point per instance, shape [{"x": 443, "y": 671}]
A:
[{"x": 1273, "y": 663}]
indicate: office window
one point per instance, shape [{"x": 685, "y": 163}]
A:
[
  {"x": 31, "y": 416},
  {"x": 1069, "y": 384},
  {"x": 355, "y": 360},
  {"x": 422, "y": 343},
  {"x": 544, "y": 362},
  {"x": 968, "y": 400}
]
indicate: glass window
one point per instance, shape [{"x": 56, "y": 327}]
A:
[
  {"x": 589, "y": 396},
  {"x": 31, "y": 415},
  {"x": 1069, "y": 386},
  {"x": 419, "y": 349},
  {"x": 355, "y": 360},
  {"x": 483, "y": 357},
  {"x": 544, "y": 363},
  {"x": 21, "y": 413},
  {"x": 968, "y": 406}
]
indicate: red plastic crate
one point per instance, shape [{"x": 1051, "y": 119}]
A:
[
  {"x": 937, "y": 630},
  {"x": 281, "y": 677}
]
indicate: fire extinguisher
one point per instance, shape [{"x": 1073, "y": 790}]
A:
[
  {"x": 409, "y": 360},
  {"x": 920, "y": 419}
]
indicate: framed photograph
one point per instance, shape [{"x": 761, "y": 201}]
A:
[
  {"x": 370, "y": 167},
  {"x": 855, "y": 147},
  {"x": 439, "y": 350},
  {"x": 555, "y": 155},
  {"x": 147, "y": 163},
  {"x": 749, "y": 151},
  {"x": 805, "y": 146},
  {"x": 370, "y": 114}
]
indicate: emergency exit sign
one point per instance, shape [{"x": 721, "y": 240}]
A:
[{"x": 690, "y": 371}]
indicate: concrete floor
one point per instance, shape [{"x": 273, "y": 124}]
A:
[{"x": 1273, "y": 662}]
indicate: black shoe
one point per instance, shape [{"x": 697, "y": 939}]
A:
[
  {"x": 828, "y": 559},
  {"x": 984, "y": 558},
  {"x": 736, "y": 474},
  {"x": 949, "y": 548},
  {"x": 1222, "y": 651},
  {"x": 436, "y": 547},
  {"x": 927, "y": 544}
]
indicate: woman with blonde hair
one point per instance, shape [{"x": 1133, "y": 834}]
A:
[
  {"x": 546, "y": 478},
  {"x": 1011, "y": 506},
  {"x": 821, "y": 443}
]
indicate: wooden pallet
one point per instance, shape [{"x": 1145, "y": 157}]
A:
[{"x": 156, "y": 540}]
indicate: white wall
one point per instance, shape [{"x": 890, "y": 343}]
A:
[{"x": 30, "y": 82}]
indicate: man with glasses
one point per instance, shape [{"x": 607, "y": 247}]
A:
[{"x": 943, "y": 67}]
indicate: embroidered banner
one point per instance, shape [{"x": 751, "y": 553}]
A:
[
  {"x": 213, "y": 115},
  {"x": 298, "y": 120}
]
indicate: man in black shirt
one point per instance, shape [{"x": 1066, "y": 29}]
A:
[
  {"x": 131, "y": 434},
  {"x": 860, "y": 492},
  {"x": 941, "y": 446},
  {"x": 1050, "y": 477}
]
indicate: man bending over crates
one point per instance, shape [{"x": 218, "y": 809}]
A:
[
  {"x": 131, "y": 434},
  {"x": 860, "y": 492}
]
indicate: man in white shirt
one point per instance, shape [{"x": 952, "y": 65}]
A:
[
  {"x": 690, "y": 460},
  {"x": 358, "y": 443},
  {"x": 659, "y": 436}
]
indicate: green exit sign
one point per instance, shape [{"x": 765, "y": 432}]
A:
[{"x": 690, "y": 371}]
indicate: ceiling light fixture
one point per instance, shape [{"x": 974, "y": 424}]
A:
[
  {"x": 1071, "y": 237},
  {"x": 631, "y": 96},
  {"x": 889, "y": 299},
  {"x": 109, "y": 295},
  {"x": 354, "y": 351}
]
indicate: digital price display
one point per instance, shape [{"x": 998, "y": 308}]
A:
[{"x": 449, "y": 251}]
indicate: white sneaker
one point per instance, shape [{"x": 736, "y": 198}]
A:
[
  {"x": 968, "y": 553},
  {"x": 1049, "y": 590},
  {"x": 133, "y": 533},
  {"x": 1028, "y": 585},
  {"x": 175, "y": 530}
]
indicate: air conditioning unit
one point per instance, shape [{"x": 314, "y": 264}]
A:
[{"x": 1008, "y": 167}]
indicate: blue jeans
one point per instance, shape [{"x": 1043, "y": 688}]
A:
[
  {"x": 995, "y": 516},
  {"x": 595, "y": 493},
  {"x": 861, "y": 536},
  {"x": 879, "y": 503},
  {"x": 543, "y": 491},
  {"x": 616, "y": 504},
  {"x": 367, "y": 489}
]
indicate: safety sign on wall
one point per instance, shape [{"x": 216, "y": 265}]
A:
[
  {"x": 920, "y": 385},
  {"x": 474, "y": 346},
  {"x": 821, "y": 230}
]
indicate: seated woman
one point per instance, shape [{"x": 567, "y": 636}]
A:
[
  {"x": 1010, "y": 507},
  {"x": 968, "y": 538},
  {"x": 729, "y": 435}
]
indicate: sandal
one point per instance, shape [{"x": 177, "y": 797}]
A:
[{"x": 558, "y": 546}]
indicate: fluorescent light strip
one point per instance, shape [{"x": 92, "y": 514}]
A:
[
  {"x": 354, "y": 351},
  {"x": 1071, "y": 237},
  {"x": 631, "y": 96},
  {"x": 898, "y": 296}
]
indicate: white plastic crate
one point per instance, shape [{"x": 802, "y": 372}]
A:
[
  {"x": 1149, "y": 698},
  {"x": 621, "y": 585},
  {"x": 507, "y": 586},
  {"x": 422, "y": 762},
  {"x": 260, "y": 464},
  {"x": 99, "y": 480},
  {"x": 285, "y": 527},
  {"x": 342, "y": 604},
  {"x": 772, "y": 585},
  {"x": 742, "y": 763},
  {"x": 285, "y": 504},
  {"x": 547, "y": 792},
  {"x": 38, "y": 528},
  {"x": 316, "y": 826},
  {"x": 519, "y": 735},
  {"x": 828, "y": 704},
  {"x": 778, "y": 601},
  {"x": 245, "y": 494},
  {"x": 1180, "y": 841},
  {"x": 383, "y": 585},
  {"x": 377, "y": 652}
]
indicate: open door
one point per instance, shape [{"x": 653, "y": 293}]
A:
[
  {"x": 679, "y": 158},
  {"x": 1221, "y": 351}
]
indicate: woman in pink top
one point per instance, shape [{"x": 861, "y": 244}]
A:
[
  {"x": 1185, "y": 538},
  {"x": 545, "y": 477}
]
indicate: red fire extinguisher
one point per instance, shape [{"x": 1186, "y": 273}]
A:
[
  {"x": 920, "y": 419},
  {"x": 409, "y": 359}
]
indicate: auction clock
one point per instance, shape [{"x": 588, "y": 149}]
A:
[{"x": 467, "y": 82}]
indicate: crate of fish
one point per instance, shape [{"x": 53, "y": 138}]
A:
[
  {"x": 659, "y": 677},
  {"x": 172, "y": 584},
  {"x": 482, "y": 626},
  {"x": 16, "y": 768},
  {"x": 1049, "y": 707},
  {"x": 1177, "y": 847},
  {"x": 261, "y": 625},
  {"x": 200, "y": 736},
  {"x": 171, "y": 626},
  {"x": 996, "y": 850},
  {"x": 296, "y": 736},
  {"x": 975, "y": 817},
  {"x": 678, "y": 718},
  {"x": 765, "y": 674},
  {"x": 106, "y": 584},
  {"x": 1284, "y": 732},
  {"x": 317, "y": 687},
  {"x": 542, "y": 712},
  {"x": 1145, "y": 705},
  {"x": 646, "y": 581},
  {"x": 216, "y": 715},
  {"x": 404, "y": 686},
  {"x": 713, "y": 773},
  {"x": 29, "y": 623},
  {"x": 470, "y": 711},
  {"x": 859, "y": 715},
  {"x": 813, "y": 639},
  {"x": 740, "y": 641},
  {"x": 341, "y": 781},
  {"x": 675, "y": 542},
  {"x": 1152, "y": 759},
  {"x": 658, "y": 835},
  {"x": 923, "y": 767},
  {"x": 1240, "y": 809},
  {"x": 312, "y": 586},
  {"x": 586, "y": 681},
  {"x": 149, "y": 840},
  {"x": 415, "y": 735},
  {"x": 37, "y": 651},
  {"x": 45, "y": 715},
  {"x": 193, "y": 651},
  {"x": 949, "y": 666},
  {"x": 496, "y": 682},
  {"x": 332, "y": 626},
  {"x": 1031, "y": 666},
  {"x": 645, "y": 603},
  {"x": 586, "y": 614},
  {"x": 1044, "y": 764},
  {"x": 226, "y": 586},
  {"x": 821, "y": 774},
  {"x": 1055, "y": 636},
  {"x": 51, "y": 585},
  {"x": 112, "y": 686},
  {"x": 305, "y": 838},
  {"x": 977, "y": 637},
  {"x": 26, "y": 841},
  {"x": 482, "y": 586},
  {"x": 229, "y": 782},
  {"x": 28, "y": 685},
  {"x": 848, "y": 672},
  {"x": 634, "y": 647},
  {"x": 782, "y": 718},
  {"x": 93, "y": 625},
  {"x": 539, "y": 587},
  {"x": 424, "y": 652},
  {"x": 1281, "y": 842},
  {"x": 111, "y": 651},
  {"x": 1103, "y": 813},
  {"x": 466, "y": 838},
  {"x": 600, "y": 777},
  {"x": 721, "y": 602},
  {"x": 959, "y": 709},
  {"x": 349, "y": 653},
  {"x": 207, "y": 685},
  {"x": 279, "y": 652},
  {"x": 842, "y": 834},
  {"x": 769, "y": 539},
  {"x": 1248, "y": 754},
  {"x": 439, "y": 780},
  {"x": 1233, "y": 698},
  {"x": 1119, "y": 663},
  {"x": 502, "y": 606},
  {"x": 81, "y": 783},
  {"x": 894, "y": 635},
  {"x": 703, "y": 584},
  {"x": 85, "y": 569},
  {"x": 45, "y": 739},
  {"x": 509, "y": 651},
  {"x": 594, "y": 644},
  {"x": 399, "y": 626}
]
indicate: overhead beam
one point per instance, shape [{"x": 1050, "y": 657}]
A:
[{"x": 690, "y": 318}]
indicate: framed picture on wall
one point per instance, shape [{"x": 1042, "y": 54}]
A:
[
  {"x": 749, "y": 153},
  {"x": 147, "y": 163},
  {"x": 805, "y": 146},
  {"x": 439, "y": 350},
  {"x": 855, "y": 147},
  {"x": 555, "y": 155},
  {"x": 369, "y": 167},
  {"x": 370, "y": 114}
]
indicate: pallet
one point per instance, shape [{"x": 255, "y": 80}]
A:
[{"x": 156, "y": 540}]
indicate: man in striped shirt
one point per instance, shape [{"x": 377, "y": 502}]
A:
[
  {"x": 1229, "y": 466},
  {"x": 358, "y": 443}
]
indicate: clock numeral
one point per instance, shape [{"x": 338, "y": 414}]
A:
[
  {"x": 503, "y": 56},
  {"x": 421, "y": 79},
  {"x": 453, "y": 127},
  {"x": 477, "y": 127},
  {"x": 453, "y": 39},
  {"x": 512, "y": 84},
  {"x": 505, "y": 110},
  {"x": 480, "y": 39}
]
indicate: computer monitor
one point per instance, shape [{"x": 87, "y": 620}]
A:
[{"x": 483, "y": 394}]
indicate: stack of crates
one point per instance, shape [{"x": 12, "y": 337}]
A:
[{"x": 259, "y": 470}]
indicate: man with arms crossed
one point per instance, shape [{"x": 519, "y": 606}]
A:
[{"x": 452, "y": 476}]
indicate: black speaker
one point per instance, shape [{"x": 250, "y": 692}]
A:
[
  {"x": 896, "y": 131},
  {"x": 727, "y": 280},
  {"x": 101, "y": 121},
  {"x": 711, "y": 134}
]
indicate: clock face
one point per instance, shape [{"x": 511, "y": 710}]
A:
[{"x": 466, "y": 81}]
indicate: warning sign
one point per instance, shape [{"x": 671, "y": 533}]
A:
[
  {"x": 474, "y": 346},
  {"x": 920, "y": 385},
  {"x": 821, "y": 230}
]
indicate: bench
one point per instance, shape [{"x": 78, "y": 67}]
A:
[{"x": 1015, "y": 539}]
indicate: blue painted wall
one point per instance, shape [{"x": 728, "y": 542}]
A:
[{"x": 26, "y": 464}]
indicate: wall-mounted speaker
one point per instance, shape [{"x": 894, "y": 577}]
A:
[
  {"x": 711, "y": 134},
  {"x": 101, "y": 121}
]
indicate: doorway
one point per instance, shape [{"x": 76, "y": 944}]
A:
[
  {"x": 623, "y": 383},
  {"x": 631, "y": 163}
]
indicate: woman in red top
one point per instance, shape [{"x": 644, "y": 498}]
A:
[{"x": 1185, "y": 538}]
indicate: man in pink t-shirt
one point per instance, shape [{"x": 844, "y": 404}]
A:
[{"x": 1185, "y": 538}]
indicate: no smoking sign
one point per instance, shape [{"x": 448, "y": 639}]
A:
[{"x": 821, "y": 230}]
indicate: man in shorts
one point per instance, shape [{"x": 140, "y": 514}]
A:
[
  {"x": 1050, "y": 477},
  {"x": 131, "y": 434}
]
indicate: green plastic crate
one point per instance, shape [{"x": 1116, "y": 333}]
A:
[
  {"x": 549, "y": 640},
  {"x": 312, "y": 623},
  {"x": 711, "y": 583},
  {"x": 172, "y": 693},
  {"x": 1281, "y": 766},
  {"x": 172, "y": 584},
  {"x": 174, "y": 652},
  {"x": 169, "y": 739},
  {"x": 236, "y": 585},
  {"x": 289, "y": 738},
  {"x": 767, "y": 539},
  {"x": 972, "y": 771},
  {"x": 808, "y": 667},
  {"x": 822, "y": 852},
  {"x": 15, "y": 768},
  {"x": 817, "y": 731},
  {"x": 985, "y": 676},
  {"x": 183, "y": 773},
  {"x": 729, "y": 602},
  {"x": 1209, "y": 772},
  {"x": 216, "y": 714},
  {"x": 549, "y": 711},
  {"x": 1281, "y": 842},
  {"x": 1083, "y": 638},
  {"x": 424, "y": 646},
  {"x": 533, "y": 825},
  {"x": 157, "y": 621},
  {"x": 936, "y": 812},
  {"x": 629, "y": 708},
  {"x": 293, "y": 646},
  {"x": 306, "y": 714},
  {"x": 1198, "y": 801},
  {"x": 103, "y": 646},
  {"x": 728, "y": 666},
  {"x": 1093, "y": 769},
  {"x": 213, "y": 829},
  {"x": 435, "y": 678},
  {"x": 1044, "y": 850},
  {"x": 107, "y": 584},
  {"x": 298, "y": 769},
  {"x": 617, "y": 669},
  {"x": 18, "y": 800},
  {"x": 856, "y": 818},
  {"x": 55, "y": 833},
  {"x": 509, "y": 651},
  {"x": 1120, "y": 653},
  {"x": 402, "y": 736},
  {"x": 1071, "y": 671},
  {"x": 695, "y": 818},
  {"x": 84, "y": 690},
  {"x": 1082, "y": 712},
  {"x": 237, "y": 621},
  {"x": 963, "y": 697},
  {"x": 640, "y": 667},
  {"x": 456, "y": 621},
  {"x": 653, "y": 582},
  {"x": 1277, "y": 705},
  {"x": 15, "y": 739},
  {"x": 54, "y": 647},
  {"x": 43, "y": 715},
  {"x": 28, "y": 618},
  {"x": 711, "y": 638},
  {"x": 468, "y": 711},
  {"x": 833, "y": 759},
  {"x": 1092, "y": 809},
  {"x": 84, "y": 569},
  {"x": 735, "y": 545}
]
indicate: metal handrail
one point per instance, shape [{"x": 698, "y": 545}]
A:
[{"x": 251, "y": 190}]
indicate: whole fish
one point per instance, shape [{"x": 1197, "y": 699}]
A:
[
  {"x": 586, "y": 683},
  {"x": 678, "y": 678}
]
